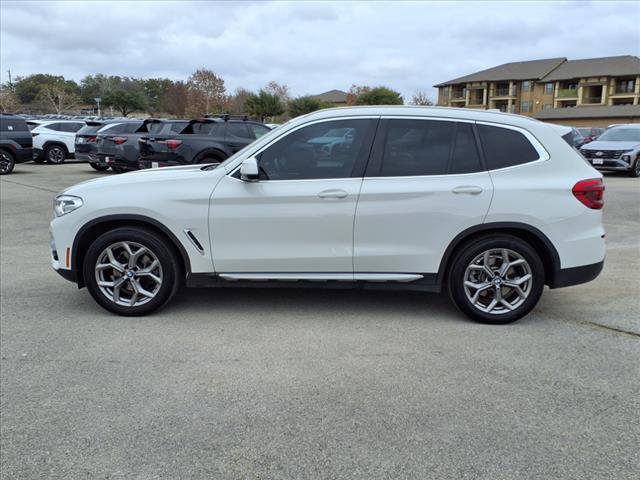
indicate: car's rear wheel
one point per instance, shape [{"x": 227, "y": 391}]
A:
[
  {"x": 130, "y": 271},
  {"x": 635, "y": 168},
  {"x": 496, "y": 279},
  {"x": 7, "y": 162},
  {"x": 98, "y": 167},
  {"x": 55, "y": 154}
]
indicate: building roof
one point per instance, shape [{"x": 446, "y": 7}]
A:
[
  {"x": 332, "y": 96},
  {"x": 589, "y": 112},
  {"x": 596, "y": 67},
  {"x": 529, "y": 70}
]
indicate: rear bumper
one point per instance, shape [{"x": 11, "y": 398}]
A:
[
  {"x": 567, "y": 277},
  {"x": 115, "y": 161},
  {"x": 23, "y": 155},
  {"x": 159, "y": 163}
]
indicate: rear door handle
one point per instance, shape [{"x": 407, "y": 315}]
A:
[
  {"x": 470, "y": 189},
  {"x": 333, "y": 193}
]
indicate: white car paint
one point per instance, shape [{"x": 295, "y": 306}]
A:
[
  {"x": 46, "y": 134},
  {"x": 348, "y": 228}
]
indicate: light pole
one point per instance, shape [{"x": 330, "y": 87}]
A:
[{"x": 97, "y": 100}]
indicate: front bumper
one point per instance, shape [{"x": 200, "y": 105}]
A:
[{"x": 611, "y": 165}]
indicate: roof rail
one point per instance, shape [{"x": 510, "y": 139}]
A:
[{"x": 226, "y": 117}]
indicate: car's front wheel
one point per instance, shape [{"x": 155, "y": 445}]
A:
[
  {"x": 130, "y": 271},
  {"x": 496, "y": 279},
  {"x": 6, "y": 162},
  {"x": 635, "y": 168}
]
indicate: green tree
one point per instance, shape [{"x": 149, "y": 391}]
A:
[
  {"x": 155, "y": 89},
  {"x": 380, "y": 96},
  {"x": 124, "y": 101},
  {"x": 303, "y": 105},
  {"x": 264, "y": 105},
  {"x": 98, "y": 85},
  {"x": 28, "y": 88}
]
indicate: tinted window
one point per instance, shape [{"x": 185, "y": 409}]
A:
[
  {"x": 258, "y": 130},
  {"x": 88, "y": 129},
  {"x": 505, "y": 148},
  {"x": 72, "y": 127},
  {"x": 58, "y": 127},
  {"x": 317, "y": 151},
  {"x": 417, "y": 147},
  {"x": 238, "y": 130},
  {"x": 465, "y": 158},
  {"x": 114, "y": 128},
  {"x": 13, "y": 125},
  {"x": 176, "y": 127}
]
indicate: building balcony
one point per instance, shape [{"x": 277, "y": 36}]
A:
[
  {"x": 567, "y": 93},
  {"x": 504, "y": 92},
  {"x": 592, "y": 100},
  {"x": 625, "y": 92},
  {"x": 457, "y": 99}
]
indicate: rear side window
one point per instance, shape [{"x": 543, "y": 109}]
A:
[
  {"x": 465, "y": 158},
  {"x": 72, "y": 127},
  {"x": 258, "y": 130},
  {"x": 417, "y": 147},
  {"x": 130, "y": 127},
  {"x": 88, "y": 129},
  {"x": 58, "y": 127},
  {"x": 176, "y": 127},
  {"x": 239, "y": 130},
  {"x": 13, "y": 125},
  {"x": 504, "y": 147}
]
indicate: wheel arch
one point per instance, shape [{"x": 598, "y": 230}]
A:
[
  {"x": 534, "y": 237},
  {"x": 94, "y": 228},
  {"x": 210, "y": 151},
  {"x": 58, "y": 143}
]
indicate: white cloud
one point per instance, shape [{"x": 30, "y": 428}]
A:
[{"x": 311, "y": 46}]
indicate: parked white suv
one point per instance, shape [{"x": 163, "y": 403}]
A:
[
  {"x": 54, "y": 140},
  {"x": 488, "y": 206}
]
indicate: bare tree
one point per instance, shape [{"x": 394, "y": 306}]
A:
[
  {"x": 9, "y": 101},
  {"x": 354, "y": 92},
  {"x": 420, "y": 98},
  {"x": 206, "y": 92},
  {"x": 59, "y": 96}
]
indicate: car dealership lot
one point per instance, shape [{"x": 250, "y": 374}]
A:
[{"x": 261, "y": 383}]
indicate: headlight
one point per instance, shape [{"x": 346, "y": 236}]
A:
[
  {"x": 626, "y": 158},
  {"x": 64, "y": 204}
]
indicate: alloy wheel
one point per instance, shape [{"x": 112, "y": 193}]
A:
[
  {"x": 56, "y": 155},
  {"x": 6, "y": 163},
  {"x": 128, "y": 273},
  {"x": 498, "y": 281}
]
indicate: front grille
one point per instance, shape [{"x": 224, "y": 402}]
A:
[{"x": 604, "y": 154}]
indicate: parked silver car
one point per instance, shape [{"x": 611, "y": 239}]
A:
[{"x": 618, "y": 148}]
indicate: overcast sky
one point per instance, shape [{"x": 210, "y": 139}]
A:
[{"x": 310, "y": 46}]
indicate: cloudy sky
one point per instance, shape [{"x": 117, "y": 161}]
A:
[{"x": 310, "y": 46}]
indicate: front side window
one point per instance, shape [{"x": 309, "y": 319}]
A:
[
  {"x": 258, "y": 130},
  {"x": 504, "y": 147},
  {"x": 322, "y": 150}
]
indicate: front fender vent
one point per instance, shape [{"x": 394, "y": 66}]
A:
[{"x": 194, "y": 241}]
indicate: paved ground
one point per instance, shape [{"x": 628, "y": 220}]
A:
[{"x": 262, "y": 384}]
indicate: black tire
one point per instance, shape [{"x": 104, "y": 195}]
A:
[
  {"x": 98, "y": 167},
  {"x": 55, "y": 154},
  {"x": 463, "y": 259},
  {"x": 170, "y": 273},
  {"x": 635, "y": 168},
  {"x": 7, "y": 162}
]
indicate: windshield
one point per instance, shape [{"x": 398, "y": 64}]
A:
[{"x": 621, "y": 135}]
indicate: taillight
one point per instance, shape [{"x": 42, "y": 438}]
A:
[
  {"x": 171, "y": 144},
  {"x": 119, "y": 140},
  {"x": 142, "y": 140},
  {"x": 91, "y": 139},
  {"x": 590, "y": 193}
]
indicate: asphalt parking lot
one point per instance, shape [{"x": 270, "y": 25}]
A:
[{"x": 269, "y": 384}]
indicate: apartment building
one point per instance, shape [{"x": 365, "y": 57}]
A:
[{"x": 554, "y": 90}]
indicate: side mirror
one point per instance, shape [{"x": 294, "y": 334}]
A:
[{"x": 249, "y": 170}]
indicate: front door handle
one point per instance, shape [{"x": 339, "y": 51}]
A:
[
  {"x": 333, "y": 193},
  {"x": 470, "y": 189}
]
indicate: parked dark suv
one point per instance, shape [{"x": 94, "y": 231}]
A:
[
  {"x": 205, "y": 140},
  {"x": 86, "y": 145},
  {"x": 16, "y": 143},
  {"x": 118, "y": 147}
]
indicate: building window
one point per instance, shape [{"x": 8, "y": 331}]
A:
[
  {"x": 526, "y": 86},
  {"x": 548, "y": 88},
  {"x": 524, "y": 107},
  {"x": 445, "y": 92},
  {"x": 625, "y": 86},
  {"x": 546, "y": 106}
]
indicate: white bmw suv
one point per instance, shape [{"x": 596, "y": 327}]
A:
[{"x": 488, "y": 206}]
